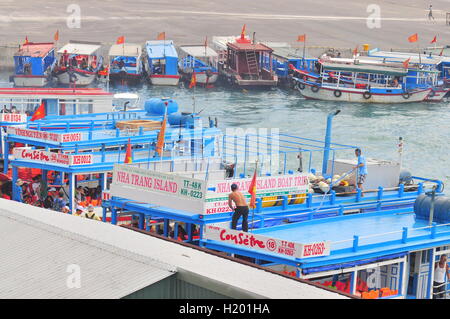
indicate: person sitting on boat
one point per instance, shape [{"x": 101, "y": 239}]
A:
[
  {"x": 361, "y": 169},
  {"x": 74, "y": 62},
  {"x": 93, "y": 65},
  {"x": 91, "y": 214},
  {"x": 121, "y": 64},
  {"x": 440, "y": 270},
  {"x": 65, "y": 209},
  {"x": 27, "y": 68},
  {"x": 14, "y": 110},
  {"x": 84, "y": 64},
  {"x": 157, "y": 69},
  {"x": 241, "y": 208},
  {"x": 5, "y": 110},
  {"x": 79, "y": 211},
  {"x": 394, "y": 82}
]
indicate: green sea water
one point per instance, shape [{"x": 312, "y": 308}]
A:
[{"x": 375, "y": 128}]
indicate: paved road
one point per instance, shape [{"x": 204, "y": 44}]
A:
[{"x": 340, "y": 23}]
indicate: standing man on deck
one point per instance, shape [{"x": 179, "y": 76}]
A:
[
  {"x": 241, "y": 208},
  {"x": 362, "y": 169}
]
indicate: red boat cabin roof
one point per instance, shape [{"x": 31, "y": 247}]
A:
[
  {"x": 249, "y": 47},
  {"x": 35, "y": 50}
]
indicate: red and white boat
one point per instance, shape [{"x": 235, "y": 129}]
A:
[{"x": 79, "y": 63}]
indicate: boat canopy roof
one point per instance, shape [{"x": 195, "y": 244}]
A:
[
  {"x": 364, "y": 69},
  {"x": 198, "y": 51},
  {"x": 82, "y": 48},
  {"x": 415, "y": 58},
  {"x": 377, "y": 61},
  {"x": 249, "y": 47},
  {"x": 221, "y": 41},
  {"x": 126, "y": 96},
  {"x": 35, "y": 50},
  {"x": 125, "y": 49},
  {"x": 289, "y": 53},
  {"x": 160, "y": 49}
]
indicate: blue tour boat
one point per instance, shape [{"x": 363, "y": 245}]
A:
[
  {"x": 125, "y": 63},
  {"x": 33, "y": 64},
  {"x": 161, "y": 62}
]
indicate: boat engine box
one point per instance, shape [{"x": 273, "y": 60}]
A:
[{"x": 379, "y": 172}]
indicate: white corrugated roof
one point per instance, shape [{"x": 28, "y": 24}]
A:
[
  {"x": 37, "y": 245},
  {"x": 198, "y": 51},
  {"x": 80, "y": 48},
  {"x": 37, "y": 260},
  {"x": 125, "y": 49}
]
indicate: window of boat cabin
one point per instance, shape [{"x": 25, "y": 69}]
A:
[
  {"x": 85, "y": 107},
  {"x": 67, "y": 107},
  {"x": 379, "y": 281},
  {"x": 158, "y": 66}
]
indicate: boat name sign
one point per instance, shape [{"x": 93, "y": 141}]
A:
[
  {"x": 268, "y": 244},
  {"x": 43, "y": 135}
]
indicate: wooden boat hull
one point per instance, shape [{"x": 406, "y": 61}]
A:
[
  {"x": 437, "y": 95},
  {"x": 82, "y": 78},
  {"x": 202, "y": 78},
  {"x": 157, "y": 79},
  {"x": 357, "y": 95},
  {"x": 30, "y": 80}
]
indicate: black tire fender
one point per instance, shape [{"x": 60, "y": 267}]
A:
[
  {"x": 337, "y": 93},
  {"x": 315, "y": 88},
  {"x": 367, "y": 95}
]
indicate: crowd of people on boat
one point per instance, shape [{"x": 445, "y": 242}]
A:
[
  {"x": 38, "y": 192},
  {"x": 77, "y": 62}
]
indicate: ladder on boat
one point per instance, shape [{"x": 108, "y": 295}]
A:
[{"x": 252, "y": 63}]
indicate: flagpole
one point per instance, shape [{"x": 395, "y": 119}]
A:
[
  {"x": 304, "y": 50},
  {"x": 162, "y": 146},
  {"x": 253, "y": 208}
]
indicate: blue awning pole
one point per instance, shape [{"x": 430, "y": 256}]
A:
[{"x": 326, "y": 151}]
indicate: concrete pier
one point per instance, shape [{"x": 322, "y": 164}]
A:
[{"x": 342, "y": 24}]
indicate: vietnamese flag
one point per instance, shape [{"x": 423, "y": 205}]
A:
[
  {"x": 56, "y": 36},
  {"x": 39, "y": 113},
  {"x": 26, "y": 40},
  {"x": 301, "y": 38},
  {"x": 434, "y": 40},
  {"x": 252, "y": 191},
  {"x": 413, "y": 38},
  {"x": 406, "y": 63},
  {"x": 161, "y": 134},
  {"x": 243, "y": 32},
  {"x": 355, "y": 51},
  {"x": 120, "y": 40},
  {"x": 193, "y": 81},
  {"x": 161, "y": 36},
  {"x": 128, "y": 154}
]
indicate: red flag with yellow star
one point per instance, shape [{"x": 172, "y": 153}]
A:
[
  {"x": 39, "y": 113},
  {"x": 128, "y": 155},
  {"x": 193, "y": 81},
  {"x": 252, "y": 191},
  {"x": 120, "y": 40}
]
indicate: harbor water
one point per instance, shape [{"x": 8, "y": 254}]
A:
[{"x": 375, "y": 128}]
